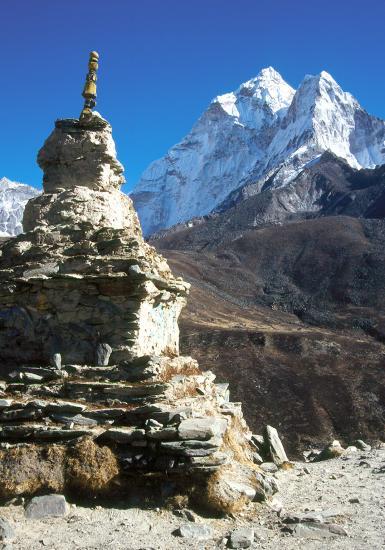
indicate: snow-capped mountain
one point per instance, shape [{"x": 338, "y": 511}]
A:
[
  {"x": 265, "y": 131},
  {"x": 13, "y": 198}
]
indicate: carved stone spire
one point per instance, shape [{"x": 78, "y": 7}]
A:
[{"x": 89, "y": 91}]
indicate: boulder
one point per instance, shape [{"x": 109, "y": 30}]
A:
[
  {"x": 232, "y": 486},
  {"x": 102, "y": 354},
  {"x": 47, "y": 506},
  {"x": 56, "y": 361},
  {"x": 257, "y": 459},
  {"x": 362, "y": 445},
  {"x": 7, "y": 532},
  {"x": 195, "y": 531},
  {"x": 269, "y": 467},
  {"x": 318, "y": 530},
  {"x": 275, "y": 447},
  {"x": 242, "y": 537},
  {"x": 334, "y": 450}
]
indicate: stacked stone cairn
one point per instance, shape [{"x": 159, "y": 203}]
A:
[{"x": 95, "y": 398}]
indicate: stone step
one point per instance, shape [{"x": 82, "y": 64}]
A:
[
  {"x": 35, "y": 375},
  {"x": 25, "y": 413},
  {"x": 123, "y": 392},
  {"x": 92, "y": 372},
  {"x": 164, "y": 434},
  {"x": 75, "y": 420},
  {"x": 190, "y": 448},
  {"x": 123, "y": 435},
  {"x": 37, "y": 432},
  {"x": 36, "y": 389},
  {"x": 216, "y": 460},
  {"x": 106, "y": 414},
  {"x": 165, "y": 415},
  {"x": 65, "y": 407}
]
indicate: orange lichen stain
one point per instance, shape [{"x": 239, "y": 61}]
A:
[{"x": 41, "y": 302}]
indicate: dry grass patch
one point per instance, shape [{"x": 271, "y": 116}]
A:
[
  {"x": 32, "y": 469},
  {"x": 90, "y": 468},
  {"x": 220, "y": 497}
]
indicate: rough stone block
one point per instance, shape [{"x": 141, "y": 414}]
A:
[
  {"x": 46, "y": 507},
  {"x": 202, "y": 428}
]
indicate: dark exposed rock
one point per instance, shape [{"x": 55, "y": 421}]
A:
[
  {"x": 362, "y": 445},
  {"x": 333, "y": 450},
  {"x": 303, "y": 331}
]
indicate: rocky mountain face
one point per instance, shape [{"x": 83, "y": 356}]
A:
[
  {"x": 327, "y": 187},
  {"x": 13, "y": 198},
  {"x": 96, "y": 399},
  {"x": 265, "y": 133}
]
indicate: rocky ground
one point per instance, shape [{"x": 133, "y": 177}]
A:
[{"x": 347, "y": 495}]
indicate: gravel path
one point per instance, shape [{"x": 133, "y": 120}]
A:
[{"x": 351, "y": 490}]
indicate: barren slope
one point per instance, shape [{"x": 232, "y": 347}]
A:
[{"x": 294, "y": 317}]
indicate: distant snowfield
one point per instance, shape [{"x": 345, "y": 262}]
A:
[{"x": 264, "y": 128}]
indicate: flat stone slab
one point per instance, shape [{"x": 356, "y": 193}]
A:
[
  {"x": 110, "y": 390},
  {"x": 41, "y": 433},
  {"x": 164, "y": 434},
  {"x": 195, "y": 531},
  {"x": 47, "y": 507},
  {"x": 202, "y": 428},
  {"x": 76, "y": 419},
  {"x": 26, "y": 413},
  {"x": 241, "y": 538},
  {"x": 66, "y": 407},
  {"x": 318, "y": 530},
  {"x": 105, "y": 414},
  {"x": 188, "y": 448},
  {"x": 123, "y": 435}
]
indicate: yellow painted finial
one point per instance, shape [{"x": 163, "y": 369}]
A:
[{"x": 89, "y": 91}]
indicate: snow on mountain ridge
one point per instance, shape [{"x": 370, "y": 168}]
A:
[
  {"x": 264, "y": 127},
  {"x": 13, "y": 198},
  {"x": 266, "y": 90}
]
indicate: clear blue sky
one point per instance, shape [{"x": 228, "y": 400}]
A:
[{"x": 162, "y": 61}]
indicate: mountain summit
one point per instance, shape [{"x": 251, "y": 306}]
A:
[{"x": 265, "y": 128}]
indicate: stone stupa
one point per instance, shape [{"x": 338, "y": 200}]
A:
[{"x": 95, "y": 396}]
